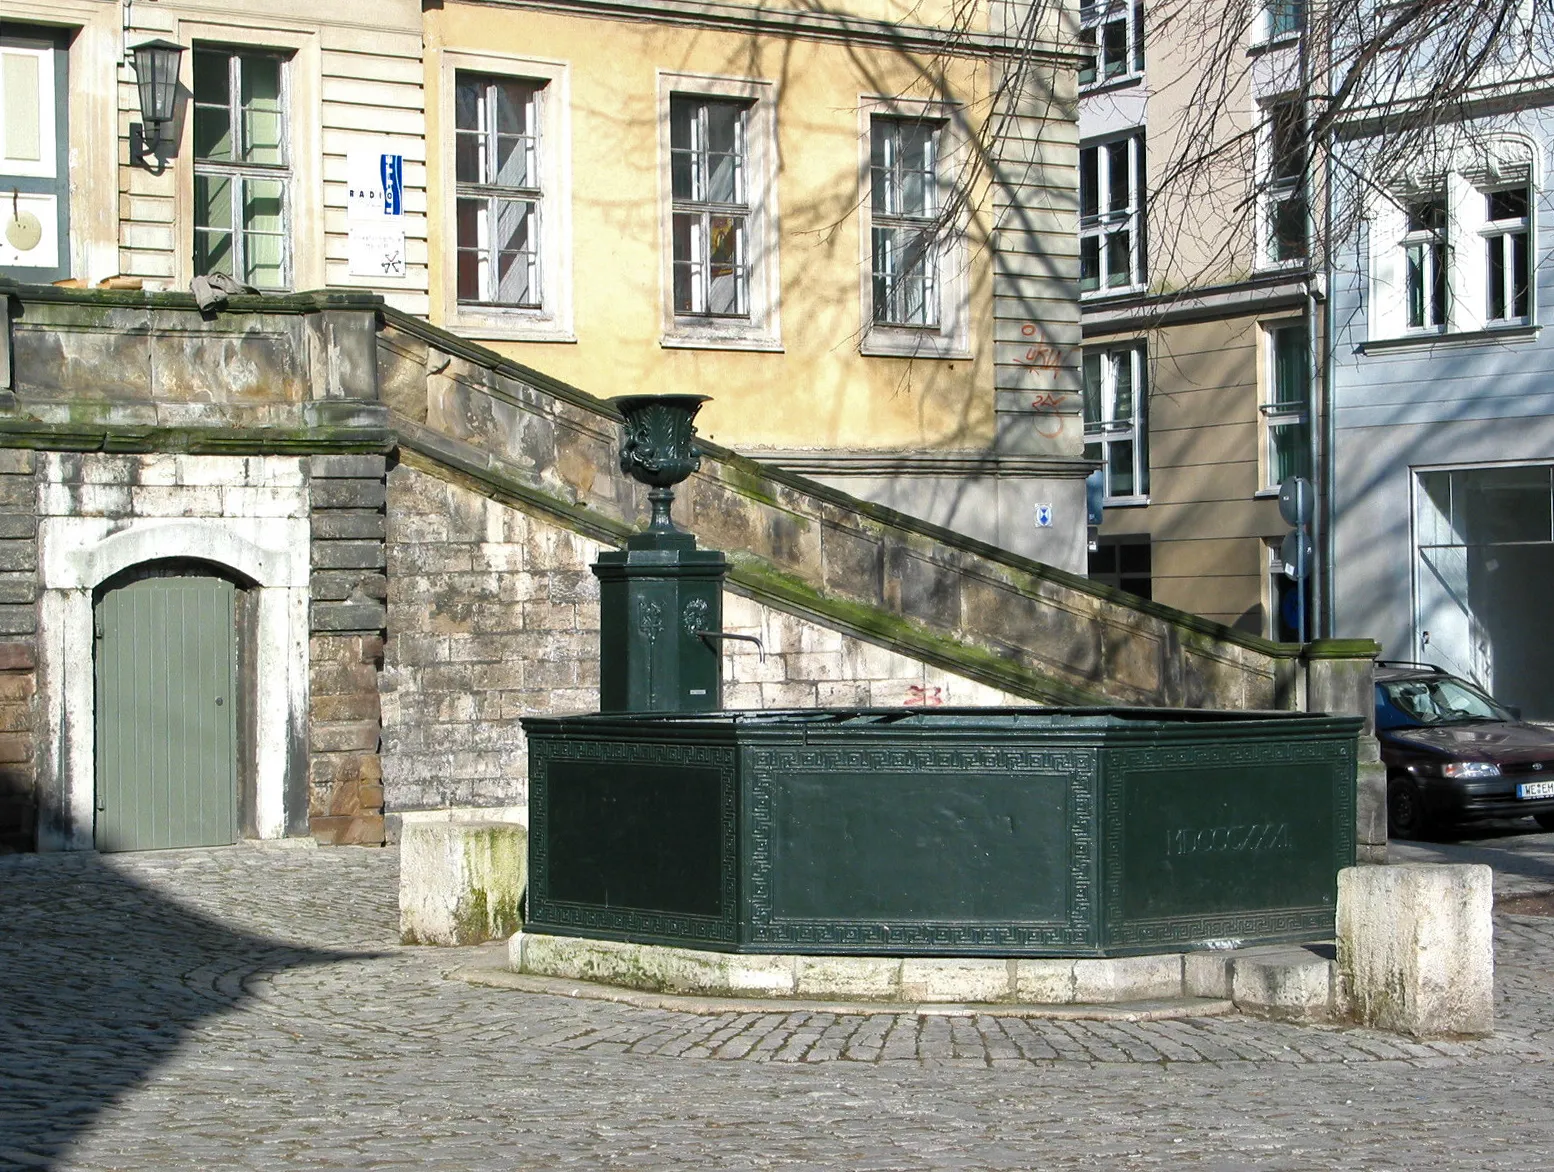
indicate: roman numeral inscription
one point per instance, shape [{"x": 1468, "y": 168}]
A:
[{"x": 1258, "y": 838}]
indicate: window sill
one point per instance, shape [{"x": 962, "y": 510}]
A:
[
  {"x": 1274, "y": 44},
  {"x": 908, "y": 343},
  {"x": 507, "y": 326},
  {"x": 1282, "y": 266},
  {"x": 1112, "y": 84},
  {"x": 1125, "y": 502},
  {"x": 1095, "y": 296},
  {"x": 1450, "y": 341},
  {"x": 1266, "y": 494},
  {"x": 761, "y": 343}
]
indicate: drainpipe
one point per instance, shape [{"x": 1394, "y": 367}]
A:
[{"x": 1315, "y": 388}]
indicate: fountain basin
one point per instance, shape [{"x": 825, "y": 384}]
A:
[{"x": 957, "y": 832}]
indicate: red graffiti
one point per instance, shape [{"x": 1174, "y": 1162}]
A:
[
  {"x": 1047, "y": 407},
  {"x": 921, "y": 696}
]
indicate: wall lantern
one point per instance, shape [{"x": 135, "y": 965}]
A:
[{"x": 156, "y": 77}]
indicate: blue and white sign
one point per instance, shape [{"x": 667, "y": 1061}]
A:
[
  {"x": 375, "y": 209},
  {"x": 1044, "y": 516}
]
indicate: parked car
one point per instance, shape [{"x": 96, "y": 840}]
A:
[{"x": 1454, "y": 755}]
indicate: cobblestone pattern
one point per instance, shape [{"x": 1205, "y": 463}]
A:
[
  {"x": 348, "y": 613},
  {"x": 200, "y": 1009},
  {"x": 18, "y": 649},
  {"x": 494, "y": 615}
]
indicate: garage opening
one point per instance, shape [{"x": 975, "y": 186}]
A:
[{"x": 1484, "y": 561}]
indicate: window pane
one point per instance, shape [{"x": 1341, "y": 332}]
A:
[
  {"x": 1119, "y": 467},
  {"x": 1114, "y": 48},
  {"x": 212, "y": 132},
  {"x": 1496, "y": 246},
  {"x": 903, "y": 276},
  {"x": 264, "y": 205},
  {"x": 515, "y": 162},
  {"x": 211, "y": 81},
  {"x": 469, "y": 157},
  {"x": 212, "y": 201},
  {"x": 1291, "y": 366},
  {"x": 467, "y": 102},
  {"x": 1122, "y": 383},
  {"x": 1138, "y": 38},
  {"x": 1502, "y": 504},
  {"x": 1089, "y": 183},
  {"x": 515, "y": 252},
  {"x": 688, "y": 263},
  {"x": 1428, "y": 215},
  {"x": 212, "y": 252},
  {"x": 1289, "y": 452},
  {"x": 684, "y": 131},
  {"x": 512, "y": 106},
  {"x": 472, "y": 257},
  {"x": 260, "y": 95},
  {"x": 725, "y": 285},
  {"x": 1520, "y": 273},
  {"x": 265, "y": 258},
  {"x": 725, "y": 144},
  {"x": 1438, "y": 283},
  {"x": 1089, "y": 264},
  {"x": 1289, "y": 141},
  {"x": 1118, "y": 185},
  {"x": 1414, "y": 258},
  {"x": 1289, "y": 228},
  {"x": 1508, "y": 205},
  {"x": 1119, "y": 267},
  {"x": 1092, "y": 388},
  {"x": 1433, "y": 507}
]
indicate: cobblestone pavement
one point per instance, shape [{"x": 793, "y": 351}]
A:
[{"x": 249, "y": 1008}]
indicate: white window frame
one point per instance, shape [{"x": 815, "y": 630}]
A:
[
  {"x": 1105, "y": 223},
  {"x": 1266, "y": 34},
  {"x": 760, "y": 328},
  {"x": 1275, "y": 191},
  {"x": 1501, "y": 236},
  {"x": 239, "y": 172},
  {"x": 1095, "y": 17},
  {"x": 493, "y": 193},
  {"x": 950, "y": 336},
  {"x": 304, "y": 130},
  {"x": 552, "y": 320},
  {"x": 1275, "y": 415},
  {"x": 1106, "y": 430},
  {"x": 1434, "y": 249}
]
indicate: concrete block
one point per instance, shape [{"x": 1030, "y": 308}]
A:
[
  {"x": 461, "y": 882},
  {"x": 652, "y": 967},
  {"x": 956, "y": 979},
  {"x": 1044, "y": 982},
  {"x": 1416, "y": 948},
  {"x": 1207, "y": 974},
  {"x": 1293, "y": 984},
  {"x": 866, "y": 977},
  {"x": 1127, "y": 978}
]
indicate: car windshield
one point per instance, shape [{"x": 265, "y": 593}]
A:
[{"x": 1440, "y": 700}]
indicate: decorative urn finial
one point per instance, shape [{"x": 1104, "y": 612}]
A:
[{"x": 658, "y": 447}]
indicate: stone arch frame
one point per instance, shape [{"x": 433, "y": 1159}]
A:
[{"x": 76, "y": 556}]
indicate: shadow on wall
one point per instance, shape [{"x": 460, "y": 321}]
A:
[
  {"x": 101, "y": 980},
  {"x": 18, "y": 809}
]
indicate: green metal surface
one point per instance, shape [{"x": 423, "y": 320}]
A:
[
  {"x": 652, "y": 603},
  {"x": 166, "y": 713},
  {"x": 1036, "y": 832}
]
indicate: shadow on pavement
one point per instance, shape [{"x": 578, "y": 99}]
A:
[
  {"x": 1515, "y": 850},
  {"x": 101, "y": 979}
]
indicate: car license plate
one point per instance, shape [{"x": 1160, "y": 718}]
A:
[{"x": 1535, "y": 789}]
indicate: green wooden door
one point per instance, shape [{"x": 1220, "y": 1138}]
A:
[{"x": 166, "y": 712}]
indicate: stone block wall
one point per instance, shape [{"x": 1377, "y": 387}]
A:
[
  {"x": 347, "y": 618},
  {"x": 18, "y": 649},
  {"x": 494, "y": 615}
]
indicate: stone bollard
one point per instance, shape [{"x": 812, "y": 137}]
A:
[
  {"x": 1416, "y": 948},
  {"x": 461, "y": 882}
]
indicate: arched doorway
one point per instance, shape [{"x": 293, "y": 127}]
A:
[{"x": 168, "y": 700}]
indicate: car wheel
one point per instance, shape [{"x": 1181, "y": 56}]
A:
[
  {"x": 1544, "y": 820},
  {"x": 1405, "y": 809}
]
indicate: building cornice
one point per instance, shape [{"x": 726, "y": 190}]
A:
[
  {"x": 807, "y": 25},
  {"x": 1242, "y": 299}
]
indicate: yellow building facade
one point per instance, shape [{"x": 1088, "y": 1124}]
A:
[{"x": 873, "y": 281}]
